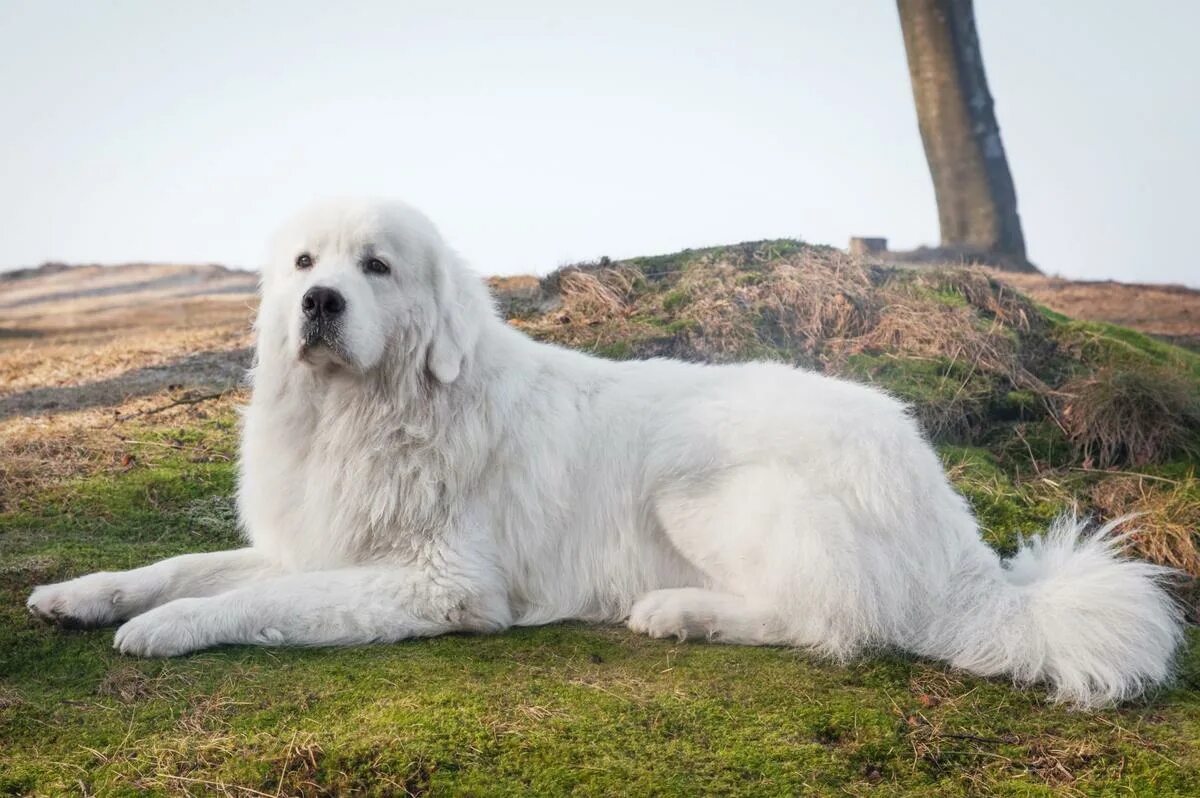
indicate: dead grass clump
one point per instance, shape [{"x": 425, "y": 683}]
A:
[
  {"x": 933, "y": 688},
  {"x": 299, "y": 771},
  {"x": 1060, "y": 762},
  {"x": 816, "y": 299},
  {"x": 38, "y": 452},
  {"x": 127, "y": 684},
  {"x": 941, "y": 751},
  {"x": 729, "y": 299},
  {"x": 1166, "y": 529},
  {"x": 951, "y": 342},
  {"x": 10, "y": 698},
  {"x": 1118, "y": 416},
  {"x": 713, "y": 314},
  {"x": 952, "y": 369},
  {"x": 741, "y": 304},
  {"x": 983, "y": 292},
  {"x": 597, "y": 293},
  {"x": 960, "y": 315},
  {"x": 208, "y": 715},
  {"x": 975, "y": 759},
  {"x": 927, "y": 330}
]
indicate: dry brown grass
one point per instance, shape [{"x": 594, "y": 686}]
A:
[
  {"x": 600, "y": 294},
  {"x": 819, "y": 303},
  {"x": 10, "y": 698},
  {"x": 40, "y": 451},
  {"x": 127, "y": 684},
  {"x": 949, "y": 733},
  {"x": 728, "y": 299},
  {"x": 1164, "y": 516},
  {"x": 813, "y": 307},
  {"x": 91, "y": 359},
  {"x": 808, "y": 300},
  {"x": 1136, "y": 416}
]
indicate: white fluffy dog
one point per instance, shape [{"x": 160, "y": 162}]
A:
[{"x": 411, "y": 465}]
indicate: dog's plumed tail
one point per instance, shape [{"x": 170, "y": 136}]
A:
[{"x": 1067, "y": 610}]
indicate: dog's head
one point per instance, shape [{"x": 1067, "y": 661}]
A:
[{"x": 352, "y": 283}]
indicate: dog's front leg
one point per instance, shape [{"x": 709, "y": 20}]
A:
[
  {"x": 109, "y": 597},
  {"x": 323, "y": 608}
]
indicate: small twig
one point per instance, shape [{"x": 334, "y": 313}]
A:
[
  {"x": 179, "y": 447},
  {"x": 974, "y": 738},
  {"x": 225, "y": 788},
  {"x": 286, "y": 758},
  {"x": 1020, "y": 430},
  {"x": 1115, "y": 472},
  {"x": 187, "y": 400}
]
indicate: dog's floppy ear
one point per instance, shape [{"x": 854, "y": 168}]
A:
[{"x": 458, "y": 321}]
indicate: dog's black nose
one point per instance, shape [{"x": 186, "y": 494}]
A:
[{"x": 320, "y": 302}]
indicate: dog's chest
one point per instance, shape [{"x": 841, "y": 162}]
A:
[
  {"x": 341, "y": 493},
  {"x": 379, "y": 497},
  {"x": 368, "y": 495}
]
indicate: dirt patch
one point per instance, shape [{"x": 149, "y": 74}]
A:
[{"x": 1167, "y": 311}]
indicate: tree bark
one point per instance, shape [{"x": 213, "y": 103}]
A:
[{"x": 976, "y": 199}]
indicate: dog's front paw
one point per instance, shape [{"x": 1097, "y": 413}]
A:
[
  {"x": 83, "y": 603},
  {"x": 171, "y": 630}
]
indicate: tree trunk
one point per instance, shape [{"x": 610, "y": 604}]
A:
[{"x": 977, "y": 203}]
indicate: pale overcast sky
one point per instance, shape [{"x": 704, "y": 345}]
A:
[{"x": 539, "y": 133}]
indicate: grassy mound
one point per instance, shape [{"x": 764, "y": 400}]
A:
[
  {"x": 1030, "y": 411},
  {"x": 1052, "y": 405}
]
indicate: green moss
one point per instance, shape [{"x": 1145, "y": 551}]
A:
[
  {"x": 567, "y": 708},
  {"x": 943, "y": 293},
  {"x": 1099, "y": 345},
  {"x": 681, "y": 326},
  {"x": 749, "y": 254},
  {"x": 1022, "y": 404},
  {"x": 552, "y": 711},
  {"x": 616, "y": 350},
  {"x": 1053, "y": 315},
  {"x": 951, "y": 399},
  {"x": 1006, "y": 512},
  {"x": 950, "y": 298},
  {"x": 674, "y": 300}
]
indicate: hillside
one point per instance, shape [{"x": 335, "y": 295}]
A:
[
  {"x": 118, "y": 390},
  {"x": 1171, "y": 312}
]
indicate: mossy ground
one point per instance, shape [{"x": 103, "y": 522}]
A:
[{"x": 597, "y": 710}]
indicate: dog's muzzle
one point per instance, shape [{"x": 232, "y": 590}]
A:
[{"x": 323, "y": 309}]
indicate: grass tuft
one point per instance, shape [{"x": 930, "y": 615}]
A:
[
  {"x": 1164, "y": 515},
  {"x": 1131, "y": 416}
]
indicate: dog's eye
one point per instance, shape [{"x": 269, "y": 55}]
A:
[
  {"x": 304, "y": 261},
  {"x": 375, "y": 266}
]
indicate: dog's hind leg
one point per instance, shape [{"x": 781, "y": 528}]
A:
[
  {"x": 784, "y": 562},
  {"x": 690, "y": 613}
]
